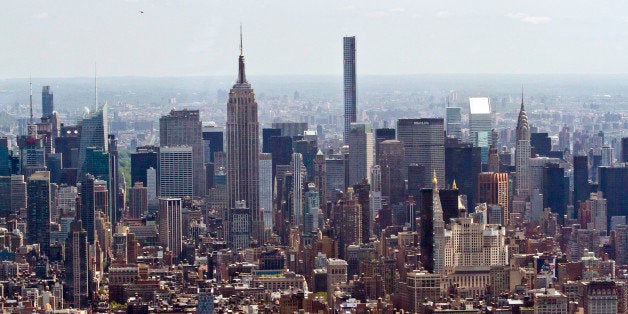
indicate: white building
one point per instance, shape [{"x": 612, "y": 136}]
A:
[{"x": 176, "y": 177}]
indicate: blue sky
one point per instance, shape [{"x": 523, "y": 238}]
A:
[{"x": 64, "y": 38}]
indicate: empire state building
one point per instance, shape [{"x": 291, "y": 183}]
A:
[{"x": 243, "y": 150}]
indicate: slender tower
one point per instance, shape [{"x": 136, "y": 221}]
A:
[
  {"x": 243, "y": 149},
  {"x": 522, "y": 154},
  {"x": 349, "y": 84},
  {"x": 439, "y": 227}
]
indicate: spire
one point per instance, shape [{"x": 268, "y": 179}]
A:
[
  {"x": 95, "y": 87},
  {"x": 522, "y": 98},
  {"x": 241, "y": 73},
  {"x": 30, "y": 83},
  {"x": 241, "y": 53},
  {"x": 435, "y": 180},
  {"x": 454, "y": 186}
]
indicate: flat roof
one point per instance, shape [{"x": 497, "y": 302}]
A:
[{"x": 478, "y": 105}]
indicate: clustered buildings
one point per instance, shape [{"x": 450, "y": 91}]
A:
[{"x": 426, "y": 217}]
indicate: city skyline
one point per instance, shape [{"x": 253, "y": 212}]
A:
[{"x": 196, "y": 38}]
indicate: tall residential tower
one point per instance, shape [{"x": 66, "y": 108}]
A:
[{"x": 348, "y": 44}]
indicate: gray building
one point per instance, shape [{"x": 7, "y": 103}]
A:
[
  {"x": 350, "y": 92},
  {"x": 243, "y": 150},
  {"x": 424, "y": 144},
  {"x": 361, "y": 152},
  {"x": 183, "y": 128}
]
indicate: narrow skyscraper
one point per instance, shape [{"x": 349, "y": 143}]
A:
[
  {"x": 522, "y": 154},
  {"x": 349, "y": 84},
  {"x": 47, "y": 101},
  {"x": 243, "y": 149}
]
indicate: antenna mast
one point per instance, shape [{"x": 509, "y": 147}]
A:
[
  {"x": 95, "y": 87},
  {"x": 30, "y": 82}
]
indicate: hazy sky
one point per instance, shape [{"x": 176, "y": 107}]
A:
[{"x": 64, "y": 38}]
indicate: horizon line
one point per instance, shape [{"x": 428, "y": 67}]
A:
[{"x": 320, "y": 75}]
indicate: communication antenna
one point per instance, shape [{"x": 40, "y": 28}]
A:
[
  {"x": 30, "y": 82},
  {"x": 95, "y": 87}
]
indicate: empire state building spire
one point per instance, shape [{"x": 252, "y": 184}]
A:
[{"x": 241, "y": 73}]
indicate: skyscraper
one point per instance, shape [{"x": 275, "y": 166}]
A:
[
  {"x": 87, "y": 212},
  {"x": 624, "y": 149},
  {"x": 138, "y": 197},
  {"x": 212, "y": 142},
  {"x": 335, "y": 176},
  {"x": 454, "y": 121},
  {"x": 522, "y": 154},
  {"x": 298, "y": 178},
  {"x": 613, "y": 182},
  {"x": 76, "y": 287},
  {"x": 267, "y": 133},
  {"x": 243, "y": 149},
  {"x": 360, "y": 143},
  {"x": 5, "y": 161},
  {"x": 393, "y": 172},
  {"x": 581, "y": 187},
  {"x": 350, "y": 95},
  {"x": 320, "y": 177},
  {"x": 183, "y": 128},
  {"x": 176, "y": 171},
  {"x": 380, "y": 136},
  {"x": 480, "y": 124},
  {"x": 38, "y": 215},
  {"x": 555, "y": 190},
  {"x": 170, "y": 225},
  {"x": 493, "y": 189},
  {"x": 143, "y": 158},
  {"x": 266, "y": 188},
  {"x": 424, "y": 144},
  {"x": 439, "y": 228},
  {"x": 47, "y": 103},
  {"x": 94, "y": 130}
]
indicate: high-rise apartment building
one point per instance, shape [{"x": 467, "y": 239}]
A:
[
  {"x": 176, "y": 171},
  {"x": 350, "y": 92},
  {"x": 335, "y": 176},
  {"x": 298, "y": 185},
  {"x": 38, "y": 214},
  {"x": 320, "y": 177},
  {"x": 360, "y": 143},
  {"x": 47, "y": 101},
  {"x": 424, "y": 144},
  {"x": 266, "y": 188},
  {"x": 170, "y": 225},
  {"x": 183, "y": 128},
  {"x": 243, "y": 150}
]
